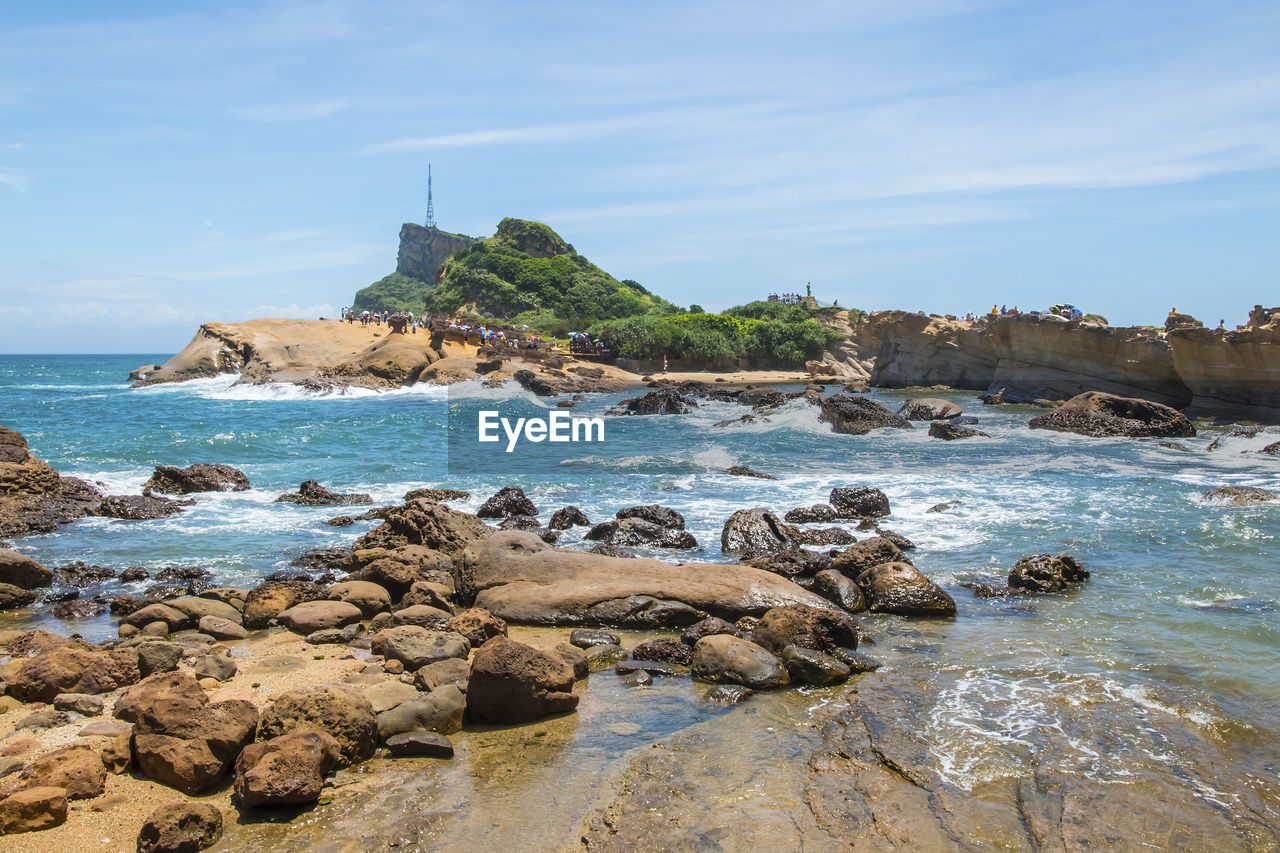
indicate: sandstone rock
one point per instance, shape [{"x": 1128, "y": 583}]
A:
[
  {"x": 347, "y": 716},
  {"x": 420, "y": 745},
  {"x": 566, "y": 517},
  {"x": 174, "y": 620},
  {"x": 80, "y": 703},
  {"x": 1100, "y": 415},
  {"x": 287, "y": 770},
  {"x": 424, "y": 615},
  {"x": 222, "y": 629},
  {"x": 507, "y": 501},
  {"x": 1238, "y": 496},
  {"x": 441, "y": 711},
  {"x": 78, "y": 770},
  {"x": 23, "y": 572},
  {"x": 754, "y": 533},
  {"x": 723, "y": 658},
  {"x": 1046, "y": 573},
  {"x": 68, "y": 669},
  {"x": 180, "y": 827},
  {"x": 835, "y": 586},
  {"x": 867, "y": 554},
  {"x": 32, "y": 809},
  {"x": 859, "y": 503},
  {"x": 197, "y": 608},
  {"x": 415, "y": 647},
  {"x": 45, "y": 718},
  {"x": 575, "y": 657},
  {"x": 266, "y": 602},
  {"x": 858, "y": 415},
  {"x": 13, "y": 597},
  {"x": 521, "y": 579},
  {"x": 196, "y": 478},
  {"x": 903, "y": 589},
  {"x": 807, "y": 666},
  {"x": 453, "y": 671},
  {"x": 820, "y": 629},
  {"x": 431, "y": 593},
  {"x": 186, "y": 765},
  {"x": 929, "y": 409},
  {"x": 384, "y": 695},
  {"x": 334, "y": 636},
  {"x": 950, "y": 432},
  {"x": 219, "y": 666},
  {"x": 514, "y": 683},
  {"x": 312, "y": 616},
  {"x": 433, "y": 526},
  {"x": 33, "y": 497},
  {"x": 520, "y": 522},
  {"x": 311, "y": 493},
  {"x": 157, "y": 656},
  {"x": 401, "y": 572},
  {"x": 478, "y": 626}
]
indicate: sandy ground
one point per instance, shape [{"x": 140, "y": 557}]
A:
[{"x": 270, "y": 662}]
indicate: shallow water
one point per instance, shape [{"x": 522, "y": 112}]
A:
[{"x": 1169, "y": 651}]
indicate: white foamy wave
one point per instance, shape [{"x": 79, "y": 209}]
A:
[{"x": 226, "y": 387}]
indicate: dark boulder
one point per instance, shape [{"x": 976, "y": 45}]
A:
[
  {"x": 507, "y": 502},
  {"x": 791, "y": 563},
  {"x": 858, "y": 415},
  {"x": 867, "y": 554},
  {"x": 566, "y": 517},
  {"x": 1046, "y": 573},
  {"x": 667, "y": 650},
  {"x": 1104, "y": 415},
  {"x": 664, "y": 401},
  {"x": 81, "y": 574},
  {"x": 723, "y": 658},
  {"x": 903, "y": 589},
  {"x": 1238, "y": 496},
  {"x": 136, "y": 507},
  {"x": 754, "y": 533},
  {"x": 950, "y": 432},
  {"x": 706, "y": 628},
  {"x": 816, "y": 514},
  {"x": 639, "y": 532},
  {"x": 181, "y": 827},
  {"x": 744, "y": 471},
  {"x": 808, "y": 666},
  {"x": 928, "y": 409},
  {"x": 311, "y": 493},
  {"x": 807, "y": 627},
  {"x": 859, "y": 503},
  {"x": 663, "y": 516},
  {"x": 200, "y": 477},
  {"x": 514, "y": 683}
]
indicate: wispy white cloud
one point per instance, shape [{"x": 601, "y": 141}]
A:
[
  {"x": 302, "y": 111},
  {"x": 16, "y": 180}
]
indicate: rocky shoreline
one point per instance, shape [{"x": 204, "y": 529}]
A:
[{"x": 1012, "y": 359}]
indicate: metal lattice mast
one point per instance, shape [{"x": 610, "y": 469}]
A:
[{"x": 431, "y": 210}]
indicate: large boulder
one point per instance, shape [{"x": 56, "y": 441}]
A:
[
  {"x": 638, "y": 531},
  {"x": 835, "y": 586},
  {"x": 432, "y": 525},
  {"x": 310, "y": 616},
  {"x": 903, "y": 589},
  {"x": 415, "y": 646},
  {"x": 858, "y": 415},
  {"x": 32, "y": 809},
  {"x": 1046, "y": 573},
  {"x": 441, "y": 711},
  {"x": 506, "y": 502},
  {"x": 751, "y": 533},
  {"x": 859, "y": 503},
  {"x": 33, "y": 497},
  {"x": 22, "y": 571},
  {"x": 664, "y": 401},
  {"x": 1238, "y": 496},
  {"x": 370, "y": 597},
  {"x": 136, "y": 507},
  {"x": 478, "y": 626},
  {"x": 286, "y": 771},
  {"x": 929, "y": 409},
  {"x": 78, "y": 770},
  {"x": 566, "y": 517},
  {"x": 200, "y": 477},
  {"x": 1103, "y": 415},
  {"x": 514, "y": 683},
  {"x": 268, "y": 600},
  {"x": 311, "y": 493},
  {"x": 728, "y": 659},
  {"x": 180, "y": 827},
  {"x": 820, "y": 629},
  {"x": 345, "y": 715},
  {"x": 13, "y": 597},
  {"x": 948, "y": 431},
  {"x": 71, "y": 669},
  {"x": 521, "y": 579},
  {"x": 867, "y": 554}
]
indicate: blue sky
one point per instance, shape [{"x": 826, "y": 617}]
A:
[{"x": 165, "y": 164}]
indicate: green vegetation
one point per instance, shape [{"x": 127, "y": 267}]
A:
[
  {"x": 527, "y": 275},
  {"x": 767, "y": 332}
]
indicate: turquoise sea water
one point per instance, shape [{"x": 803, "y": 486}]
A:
[{"x": 1170, "y": 650}]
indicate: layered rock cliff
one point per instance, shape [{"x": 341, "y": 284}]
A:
[
  {"x": 1024, "y": 358},
  {"x": 423, "y": 251}
]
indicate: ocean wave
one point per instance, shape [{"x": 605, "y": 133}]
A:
[{"x": 225, "y": 387}]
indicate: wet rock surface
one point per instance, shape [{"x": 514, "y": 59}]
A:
[
  {"x": 200, "y": 477},
  {"x": 1104, "y": 415},
  {"x": 859, "y": 415},
  {"x": 311, "y": 493}
]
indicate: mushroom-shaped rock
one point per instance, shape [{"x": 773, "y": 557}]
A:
[
  {"x": 287, "y": 770},
  {"x": 345, "y": 715},
  {"x": 514, "y": 683},
  {"x": 725, "y": 658},
  {"x": 180, "y": 827},
  {"x": 903, "y": 589}
]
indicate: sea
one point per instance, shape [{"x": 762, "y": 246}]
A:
[{"x": 1166, "y": 658}]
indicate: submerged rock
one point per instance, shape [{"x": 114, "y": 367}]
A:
[
  {"x": 1102, "y": 415},
  {"x": 1046, "y": 573},
  {"x": 311, "y": 493},
  {"x": 950, "y": 432},
  {"x": 858, "y": 415},
  {"x": 929, "y": 409},
  {"x": 1238, "y": 496},
  {"x": 200, "y": 477},
  {"x": 724, "y": 658}
]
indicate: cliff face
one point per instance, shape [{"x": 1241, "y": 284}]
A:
[
  {"x": 1231, "y": 372},
  {"x": 423, "y": 251},
  {"x": 1024, "y": 358}
]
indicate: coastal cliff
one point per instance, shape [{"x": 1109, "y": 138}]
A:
[
  {"x": 423, "y": 251},
  {"x": 1026, "y": 359}
]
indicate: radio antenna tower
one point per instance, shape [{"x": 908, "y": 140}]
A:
[{"x": 431, "y": 210}]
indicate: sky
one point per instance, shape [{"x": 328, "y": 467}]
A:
[{"x": 165, "y": 164}]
